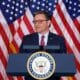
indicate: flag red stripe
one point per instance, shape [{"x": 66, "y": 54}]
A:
[
  {"x": 1, "y": 77},
  {"x": 20, "y": 33},
  {"x": 12, "y": 30},
  {"x": 67, "y": 26},
  {"x": 59, "y": 31},
  {"x": 77, "y": 65},
  {"x": 74, "y": 78},
  {"x": 19, "y": 78},
  {"x": 28, "y": 25},
  {"x": 69, "y": 50},
  {"x": 5, "y": 38},
  {"x": 3, "y": 59},
  {"x": 56, "y": 26},
  {"x": 77, "y": 24},
  {"x": 10, "y": 78}
]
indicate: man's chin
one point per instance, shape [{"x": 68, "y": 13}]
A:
[{"x": 38, "y": 31}]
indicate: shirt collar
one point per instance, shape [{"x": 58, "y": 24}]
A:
[{"x": 45, "y": 35}]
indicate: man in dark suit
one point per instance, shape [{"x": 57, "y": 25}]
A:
[{"x": 43, "y": 37}]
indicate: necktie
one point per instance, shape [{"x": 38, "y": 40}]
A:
[{"x": 42, "y": 41}]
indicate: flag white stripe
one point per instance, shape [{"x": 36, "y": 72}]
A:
[
  {"x": 30, "y": 17},
  {"x": 5, "y": 26},
  {"x": 70, "y": 22},
  {"x": 78, "y": 18},
  {"x": 4, "y": 48},
  {"x": 64, "y": 78},
  {"x": 16, "y": 25},
  {"x": 24, "y": 28},
  {"x": 15, "y": 78},
  {"x": 67, "y": 37},
  {"x": 2, "y": 71},
  {"x": 52, "y": 29},
  {"x": 77, "y": 75},
  {"x": 17, "y": 39}
]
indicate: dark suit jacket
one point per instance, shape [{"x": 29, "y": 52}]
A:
[{"x": 53, "y": 40}]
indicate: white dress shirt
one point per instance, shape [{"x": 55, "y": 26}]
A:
[{"x": 45, "y": 38}]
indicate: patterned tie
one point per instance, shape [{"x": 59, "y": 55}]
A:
[{"x": 42, "y": 41}]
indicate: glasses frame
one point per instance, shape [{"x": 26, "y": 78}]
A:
[{"x": 39, "y": 21}]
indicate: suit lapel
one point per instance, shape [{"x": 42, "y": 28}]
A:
[
  {"x": 49, "y": 38},
  {"x": 36, "y": 39}
]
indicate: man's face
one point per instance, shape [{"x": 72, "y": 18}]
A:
[{"x": 41, "y": 24}]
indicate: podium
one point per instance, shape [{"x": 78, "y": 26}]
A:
[{"x": 65, "y": 65}]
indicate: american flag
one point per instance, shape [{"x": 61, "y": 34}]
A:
[{"x": 16, "y": 18}]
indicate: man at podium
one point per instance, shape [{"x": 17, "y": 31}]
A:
[{"x": 43, "y": 37}]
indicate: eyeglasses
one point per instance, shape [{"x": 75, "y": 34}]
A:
[{"x": 39, "y": 21}]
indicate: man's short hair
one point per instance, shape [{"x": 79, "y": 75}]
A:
[{"x": 47, "y": 15}]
